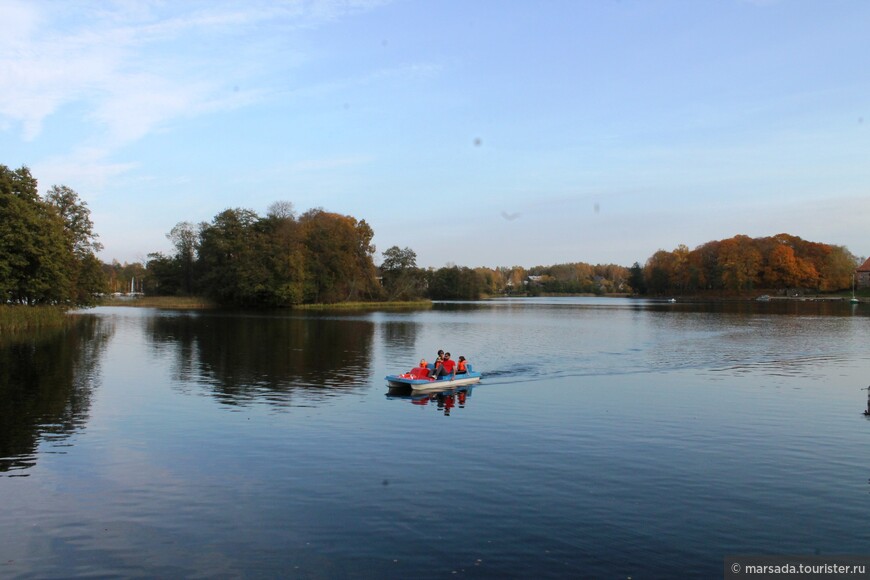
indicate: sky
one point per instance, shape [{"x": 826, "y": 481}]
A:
[{"x": 475, "y": 132}]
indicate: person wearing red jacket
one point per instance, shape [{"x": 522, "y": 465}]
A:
[{"x": 448, "y": 367}]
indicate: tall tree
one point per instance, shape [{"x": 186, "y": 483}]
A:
[
  {"x": 338, "y": 257},
  {"x": 658, "y": 272},
  {"x": 84, "y": 269},
  {"x": 285, "y": 254},
  {"x": 740, "y": 261},
  {"x": 402, "y": 279},
  {"x": 681, "y": 273},
  {"x": 635, "y": 279},
  {"x": 281, "y": 210},
  {"x": 76, "y": 218},
  {"x": 838, "y": 269},
  {"x": 232, "y": 263},
  {"x": 36, "y": 262},
  {"x": 185, "y": 237},
  {"x": 165, "y": 275}
]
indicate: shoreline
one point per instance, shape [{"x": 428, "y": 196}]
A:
[{"x": 197, "y": 303}]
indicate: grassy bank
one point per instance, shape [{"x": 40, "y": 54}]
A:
[
  {"x": 195, "y": 302},
  {"x": 14, "y": 318},
  {"x": 167, "y": 302}
]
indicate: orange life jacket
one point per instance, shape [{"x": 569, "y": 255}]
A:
[{"x": 461, "y": 368}]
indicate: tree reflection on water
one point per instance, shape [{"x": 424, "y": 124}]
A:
[
  {"x": 47, "y": 379},
  {"x": 281, "y": 360}
]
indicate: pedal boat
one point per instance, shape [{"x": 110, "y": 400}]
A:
[{"x": 418, "y": 383}]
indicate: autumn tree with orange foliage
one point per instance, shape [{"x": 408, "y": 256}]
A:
[{"x": 742, "y": 264}]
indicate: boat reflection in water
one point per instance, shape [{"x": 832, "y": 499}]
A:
[{"x": 443, "y": 398}]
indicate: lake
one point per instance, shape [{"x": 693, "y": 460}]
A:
[{"x": 609, "y": 438}]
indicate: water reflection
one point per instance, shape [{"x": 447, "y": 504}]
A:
[
  {"x": 279, "y": 359},
  {"x": 443, "y": 400},
  {"x": 544, "y": 338},
  {"x": 47, "y": 379},
  {"x": 399, "y": 338},
  {"x": 803, "y": 307}
]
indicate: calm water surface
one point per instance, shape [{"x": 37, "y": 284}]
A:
[{"x": 609, "y": 438}]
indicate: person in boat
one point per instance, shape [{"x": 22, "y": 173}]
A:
[
  {"x": 421, "y": 371},
  {"x": 438, "y": 360},
  {"x": 447, "y": 367},
  {"x": 461, "y": 366}
]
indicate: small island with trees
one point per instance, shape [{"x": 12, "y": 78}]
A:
[{"x": 48, "y": 259}]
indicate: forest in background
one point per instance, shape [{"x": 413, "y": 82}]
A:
[
  {"x": 48, "y": 256},
  {"x": 282, "y": 259}
]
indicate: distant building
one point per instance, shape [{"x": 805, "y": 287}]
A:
[{"x": 863, "y": 275}]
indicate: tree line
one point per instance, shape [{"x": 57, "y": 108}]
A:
[
  {"x": 281, "y": 259},
  {"x": 284, "y": 259},
  {"x": 741, "y": 264},
  {"x": 48, "y": 256}
]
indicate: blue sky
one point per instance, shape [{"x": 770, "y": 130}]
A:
[{"x": 480, "y": 133}]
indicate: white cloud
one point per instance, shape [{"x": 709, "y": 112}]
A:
[
  {"x": 133, "y": 67},
  {"x": 103, "y": 76},
  {"x": 86, "y": 170}
]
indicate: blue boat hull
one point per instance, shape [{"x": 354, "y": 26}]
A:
[{"x": 444, "y": 382}]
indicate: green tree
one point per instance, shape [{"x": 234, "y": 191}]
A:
[
  {"x": 185, "y": 237},
  {"x": 232, "y": 263},
  {"x": 35, "y": 260},
  {"x": 635, "y": 279},
  {"x": 85, "y": 272},
  {"x": 402, "y": 280},
  {"x": 283, "y": 238},
  {"x": 164, "y": 275},
  {"x": 454, "y": 283},
  {"x": 76, "y": 218}
]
